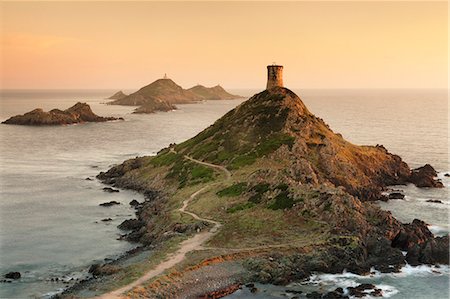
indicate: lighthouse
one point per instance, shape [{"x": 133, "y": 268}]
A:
[{"x": 274, "y": 76}]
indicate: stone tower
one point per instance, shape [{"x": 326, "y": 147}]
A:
[{"x": 274, "y": 76}]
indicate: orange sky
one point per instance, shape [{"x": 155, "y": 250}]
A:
[{"x": 125, "y": 45}]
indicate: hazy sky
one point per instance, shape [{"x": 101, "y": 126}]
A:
[{"x": 125, "y": 45}]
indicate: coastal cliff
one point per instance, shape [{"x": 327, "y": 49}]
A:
[
  {"x": 78, "y": 113},
  {"x": 162, "y": 94},
  {"x": 293, "y": 198}
]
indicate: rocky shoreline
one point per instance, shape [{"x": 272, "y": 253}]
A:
[{"x": 283, "y": 267}]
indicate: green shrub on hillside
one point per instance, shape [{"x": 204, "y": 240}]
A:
[{"x": 233, "y": 190}]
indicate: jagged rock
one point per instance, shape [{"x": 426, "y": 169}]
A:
[
  {"x": 109, "y": 203},
  {"x": 433, "y": 251},
  {"x": 425, "y": 177},
  {"x": 106, "y": 219},
  {"x": 412, "y": 234},
  {"x": 130, "y": 224},
  {"x": 13, "y": 275},
  {"x": 79, "y": 113}
]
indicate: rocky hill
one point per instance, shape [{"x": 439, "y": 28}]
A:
[
  {"x": 154, "y": 95},
  {"x": 117, "y": 96},
  {"x": 293, "y": 197},
  {"x": 79, "y": 113},
  {"x": 213, "y": 93}
]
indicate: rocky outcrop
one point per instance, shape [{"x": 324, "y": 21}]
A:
[
  {"x": 79, "y": 113},
  {"x": 432, "y": 251},
  {"x": 416, "y": 233},
  {"x": 154, "y": 106},
  {"x": 425, "y": 176}
]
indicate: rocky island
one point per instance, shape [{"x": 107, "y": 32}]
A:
[
  {"x": 162, "y": 94},
  {"x": 78, "y": 113},
  {"x": 268, "y": 193}
]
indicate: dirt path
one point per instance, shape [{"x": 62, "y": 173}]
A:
[{"x": 186, "y": 246}]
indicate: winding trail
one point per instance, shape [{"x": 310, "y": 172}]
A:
[{"x": 186, "y": 246}]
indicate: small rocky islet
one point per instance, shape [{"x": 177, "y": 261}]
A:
[
  {"x": 78, "y": 113},
  {"x": 298, "y": 200},
  {"x": 163, "y": 94}
]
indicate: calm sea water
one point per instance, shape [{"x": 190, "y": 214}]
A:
[{"x": 50, "y": 221}]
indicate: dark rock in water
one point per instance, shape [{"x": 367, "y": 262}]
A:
[
  {"x": 253, "y": 290},
  {"x": 293, "y": 292},
  {"x": 434, "y": 251},
  {"x": 425, "y": 177},
  {"x": 447, "y": 175},
  {"x": 434, "y": 200},
  {"x": 79, "y": 113},
  {"x": 396, "y": 195},
  {"x": 109, "y": 203},
  {"x": 250, "y": 285},
  {"x": 106, "y": 219},
  {"x": 411, "y": 234},
  {"x": 360, "y": 291},
  {"x": 13, "y": 275},
  {"x": 110, "y": 190},
  {"x": 130, "y": 224},
  {"x": 314, "y": 295},
  {"x": 134, "y": 203},
  {"x": 334, "y": 295},
  {"x": 88, "y": 179},
  {"x": 102, "y": 270}
]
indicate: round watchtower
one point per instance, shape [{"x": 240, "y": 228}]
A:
[{"x": 274, "y": 76}]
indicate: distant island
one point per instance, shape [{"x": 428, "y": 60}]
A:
[
  {"x": 162, "y": 94},
  {"x": 78, "y": 113},
  {"x": 268, "y": 194}
]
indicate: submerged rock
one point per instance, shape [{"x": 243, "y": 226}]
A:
[
  {"x": 396, "y": 195},
  {"x": 434, "y": 201},
  {"x": 110, "y": 190},
  {"x": 109, "y": 203}
]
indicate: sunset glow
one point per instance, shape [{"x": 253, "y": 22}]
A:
[{"x": 126, "y": 45}]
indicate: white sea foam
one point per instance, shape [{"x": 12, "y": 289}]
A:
[{"x": 348, "y": 279}]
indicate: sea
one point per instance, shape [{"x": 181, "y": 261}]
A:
[{"x": 51, "y": 227}]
